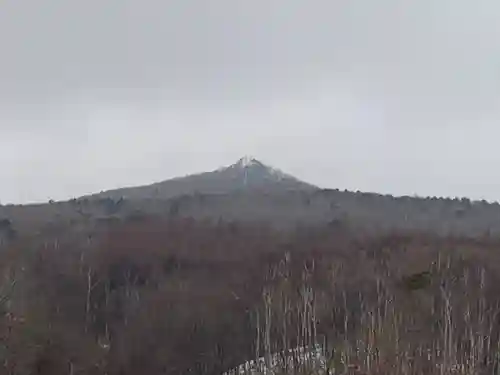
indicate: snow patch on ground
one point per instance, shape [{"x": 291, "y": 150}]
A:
[{"x": 312, "y": 358}]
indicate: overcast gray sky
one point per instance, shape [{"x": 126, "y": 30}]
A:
[{"x": 394, "y": 96}]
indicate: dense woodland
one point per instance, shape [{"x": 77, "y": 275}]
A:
[
  {"x": 284, "y": 209},
  {"x": 156, "y": 295}
]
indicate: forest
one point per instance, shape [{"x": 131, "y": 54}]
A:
[{"x": 153, "y": 295}]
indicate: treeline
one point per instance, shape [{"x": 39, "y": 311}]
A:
[
  {"x": 159, "y": 296},
  {"x": 281, "y": 209}
]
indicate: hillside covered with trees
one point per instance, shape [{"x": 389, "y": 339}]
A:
[{"x": 187, "y": 297}]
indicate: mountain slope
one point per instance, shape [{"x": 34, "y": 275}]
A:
[
  {"x": 247, "y": 174},
  {"x": 250, "y": 191}
]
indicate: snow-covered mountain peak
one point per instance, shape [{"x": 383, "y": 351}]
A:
[
  {"x": 248, "y": 164},
  {"x": 247, "y": 161}
]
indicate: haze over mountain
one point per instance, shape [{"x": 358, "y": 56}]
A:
[
  {"x": 247, "y": 174},
  {"x": 249, "y": 191}
]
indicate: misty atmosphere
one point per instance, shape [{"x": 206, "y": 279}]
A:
[{"x": 269, "y": 187}]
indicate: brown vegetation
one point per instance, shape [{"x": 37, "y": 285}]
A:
[{"x": 186, "y": 297}]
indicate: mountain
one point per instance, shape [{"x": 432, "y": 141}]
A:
[
  {"x": 253, "y": 192},
  {"x": 246, "y": 175}
]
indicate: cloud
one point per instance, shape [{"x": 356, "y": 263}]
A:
[{"x": 98, "y": 94}]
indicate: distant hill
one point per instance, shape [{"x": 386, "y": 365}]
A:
[
  {"x": 251, "y": 191},
  {"x": 246, "y": 175}
]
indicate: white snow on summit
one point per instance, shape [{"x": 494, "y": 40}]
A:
[{"x": 247, "y": 161}]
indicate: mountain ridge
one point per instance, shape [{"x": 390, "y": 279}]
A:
[
  {"x": 251, "y": 191},
  {"x": 246, "y": 174}
]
